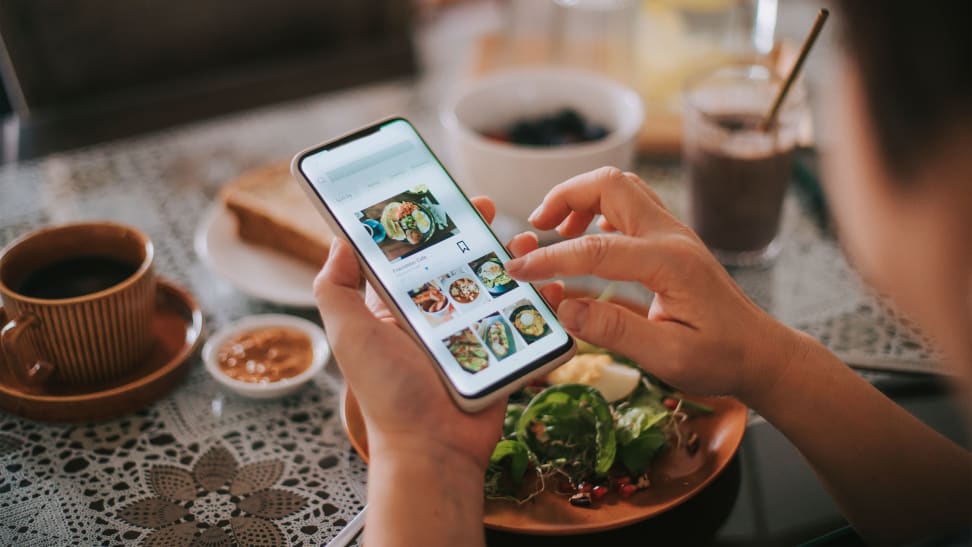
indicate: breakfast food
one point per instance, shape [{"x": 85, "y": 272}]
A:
[
  {"x": 429, "y": 298},
  {"x": 598, "y": 370},
  {"x": 498, "y": 338},
  {"x": 494, "y": 276},
  {"x": 564, "y": 127},
  {"x": 406, "y": 221},
  {"x": 468, "y": 351},
  {"x": 464, "y": 290},
  {"x": 271, "y": 211},
  {"x": 529, "y": 322}
]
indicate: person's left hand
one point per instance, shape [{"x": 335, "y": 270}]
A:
[{"x": 406, "y": 407}]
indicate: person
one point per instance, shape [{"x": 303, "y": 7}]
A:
[{"x": 900, "y": 187}]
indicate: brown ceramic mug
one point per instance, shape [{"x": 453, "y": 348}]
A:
[{"x": 79, "y": 299}]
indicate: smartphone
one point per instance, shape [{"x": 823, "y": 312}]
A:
[{"x": 433, "y": 259}]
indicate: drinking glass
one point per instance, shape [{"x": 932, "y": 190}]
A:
[
  {"x": 737, "y": 172},
  {"x": 596, "y": 35}
]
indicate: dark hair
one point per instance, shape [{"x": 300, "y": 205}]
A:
[{"x": 915, "y": 61}]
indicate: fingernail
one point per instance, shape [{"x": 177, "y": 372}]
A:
[
  {"x": 515, "y": 265},
  {"x": 535, "y": 213},
  {"x": 572, "y": 314}
]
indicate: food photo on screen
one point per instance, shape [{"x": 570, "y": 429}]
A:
[
  {"x": 527, "y": 321},
  {"x": 407, "y": 223},
  {"x": 489, "y": 269},
  {"x": 435, "y": 306},
  {"x": 463, "y": 288},
  {"x": 498, "y": 336},
  {"x": 468, "y": 350}
]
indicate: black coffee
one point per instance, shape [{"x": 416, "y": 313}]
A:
[
  {"x": 75, "y": 277},
  {"x": 736, "y": 199}
]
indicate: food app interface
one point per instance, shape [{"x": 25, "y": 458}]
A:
[{"x": 435, "y": 257}]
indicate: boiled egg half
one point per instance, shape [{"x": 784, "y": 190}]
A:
[{"x": 598, "y": 370}]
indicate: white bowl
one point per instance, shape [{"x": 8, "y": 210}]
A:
[
  {"x": 518, "y": 177},
  {"x": 272, "y": 389}
]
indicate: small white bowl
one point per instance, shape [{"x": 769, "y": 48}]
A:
[
  {"x": 269, "y": 390},
  {"x": 518, "y": 177}
]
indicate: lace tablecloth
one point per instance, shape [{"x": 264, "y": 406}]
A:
[{"x": 207, "y": 466}]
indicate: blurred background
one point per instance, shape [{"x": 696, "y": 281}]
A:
[{"x": 75, "y": 73}]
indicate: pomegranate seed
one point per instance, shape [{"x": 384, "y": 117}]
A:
[
  {"x": 670, "y": 403},
  {"x": 585, "y": 487},
  {"x": 627, "y": 490},
  {"x": 598, "y": 492}
]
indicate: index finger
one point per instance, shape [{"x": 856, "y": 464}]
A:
[{"x": 625, "y": 201}]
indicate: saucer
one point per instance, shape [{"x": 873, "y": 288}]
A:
[
  {"x": 254, "y": 271},
  {"x": 176, "y": 329}
]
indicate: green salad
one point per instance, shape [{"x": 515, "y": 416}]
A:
[{"x": 568, "y": 438}]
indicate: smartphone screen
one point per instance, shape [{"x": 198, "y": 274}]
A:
[{"x": 435, "y": 257}]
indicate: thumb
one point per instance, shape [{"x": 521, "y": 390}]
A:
[
  {"x": 346, "y": 319},
  {"x": 618, "y": 329}
]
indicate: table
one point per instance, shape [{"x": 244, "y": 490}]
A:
[{"x": 124, "y": 480}]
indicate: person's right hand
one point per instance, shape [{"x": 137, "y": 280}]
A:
[{"x": 701, "y": 334}]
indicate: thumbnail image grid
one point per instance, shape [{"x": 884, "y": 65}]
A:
[
  {"x": 407, "y": 223},
  {"x": 441, "y": 298},
  {"x": 496, "y": 336}
]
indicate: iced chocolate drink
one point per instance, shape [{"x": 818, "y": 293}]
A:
[{"x": 737, "y": 173}]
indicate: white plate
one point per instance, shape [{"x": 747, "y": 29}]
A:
[{"x": 258, "y": 272}]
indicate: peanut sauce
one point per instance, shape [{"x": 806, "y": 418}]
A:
[{"x": 266, "y": 355}]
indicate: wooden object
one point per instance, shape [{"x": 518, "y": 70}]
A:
[
  {"x": 791, "y": 76},
  {"x": 176, "y": 332},
  {"x": 551, "y": 514}
]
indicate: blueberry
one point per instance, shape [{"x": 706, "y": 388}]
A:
[
  {"x": 594, "y": 132},
  {"x": 525, "y": 133},
  {"x": 569, "y": 121}
]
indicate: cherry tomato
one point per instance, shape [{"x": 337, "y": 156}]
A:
[
  {"x": 598, "y": 492},
  {"x": 627, "y": 490},
  {"x": 670, "y": 403},
  {"x": 585, "y": 487},
  {"x": 623, "y": 480}
]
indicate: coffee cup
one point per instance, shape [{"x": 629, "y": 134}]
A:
[{"x": 79, "y": 299}]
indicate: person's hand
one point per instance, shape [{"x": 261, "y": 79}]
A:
[
  {"x": 701, "y": 334},
  {"x": 405, "y": 405}
]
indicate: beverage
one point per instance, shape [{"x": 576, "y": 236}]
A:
[
  {"x": 736, "y": 196},
  {"x": 74, "y": 277},
  {"x": 78, "y": 301},
  {"x": 737, "y": 172}
]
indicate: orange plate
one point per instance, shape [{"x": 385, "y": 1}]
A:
[
  {"x": 673, "y": 481},
  {"x": 176, "y": 328}
]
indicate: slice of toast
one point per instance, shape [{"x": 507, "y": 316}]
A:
[{"x": 272, "y": 211}]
